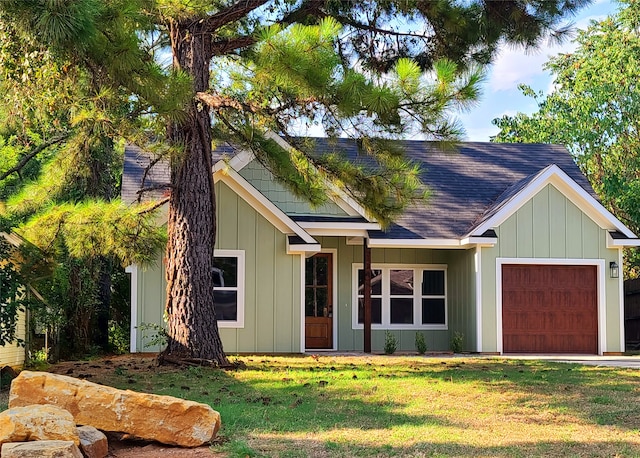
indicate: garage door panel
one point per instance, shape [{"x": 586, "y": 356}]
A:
[{"x": 549, "y": 309}]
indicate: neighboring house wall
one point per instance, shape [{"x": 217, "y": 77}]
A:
[
  {"x": 12, "y": 354},
  {"x": 550, "y": 227}
]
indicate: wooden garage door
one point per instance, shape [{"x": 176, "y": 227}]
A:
[{"x": 549, "y": 309}]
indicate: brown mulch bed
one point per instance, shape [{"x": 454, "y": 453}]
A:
[{"x": 101, "y": 371}]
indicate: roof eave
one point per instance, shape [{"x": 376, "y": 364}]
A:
[{"x": 621, "y": 242}]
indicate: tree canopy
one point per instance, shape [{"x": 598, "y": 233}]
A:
[
  {"x": 241, "y": 69},
  {"x": 594, "y": 109}
]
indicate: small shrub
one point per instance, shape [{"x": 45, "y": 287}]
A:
[
  {"x": 457, "y": 341},
  {"x": 118, "y": 337},
  {"x": 153, "y": 334},
  {"x": 421, "y": 344},
  {"x": 38, "y": 359},
  {"x": 390, "y": 343}
]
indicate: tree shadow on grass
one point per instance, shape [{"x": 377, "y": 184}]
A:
[
  {"x": 310, "y": 448},
  {"x": 272, "y": 405}
]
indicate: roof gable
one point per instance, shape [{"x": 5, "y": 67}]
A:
[{"x": 517, "y": 195}]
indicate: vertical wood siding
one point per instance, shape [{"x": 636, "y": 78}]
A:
[
  {"x": 461, "y": 295},
  {"x": 272, "y": 282},
  {"x": 13, "y": 354},
  {"x": 549, "y": 226}
]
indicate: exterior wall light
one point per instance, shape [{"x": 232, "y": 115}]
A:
[{"x": 615, "y": 270}]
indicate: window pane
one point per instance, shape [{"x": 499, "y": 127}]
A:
[
  {"x": 433, "y": 283},
  {"x": 322, "y": 269},
  {"x": 402, "y": 310},
  {"x": 226, "y": 305},
  {"x": 401, "y": 282},
  {"x": 376, "y": 311},
  {"x": 433, "y": 311},
  {"x": 316, "y": 271},
  {"x": 308, "y": 271},
  {"x": 225, "y": 271},
  {"x": 309, "y": 302},
  {"x": 376, "y": 282}
]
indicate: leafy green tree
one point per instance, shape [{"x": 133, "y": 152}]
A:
[
  {"x": 373, "y": 70},
  {"x": 594, "y": 110},
  {"x": 60, "y": 166}
]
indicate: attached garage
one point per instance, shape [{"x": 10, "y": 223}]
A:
[{"x": 550, "y": 308}]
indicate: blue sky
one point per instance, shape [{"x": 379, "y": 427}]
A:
[{"x": 515, "y": 66}]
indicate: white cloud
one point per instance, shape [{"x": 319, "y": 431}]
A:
[{"x": 515, "y": 65}]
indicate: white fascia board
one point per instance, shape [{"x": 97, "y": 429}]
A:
[
  {"x": 621, "y": 243},
  {"x": 566, "y": 185},
  {"x": 415, "y": 243},
  {"x": 479, "y": 241},
  {"x": 339, "y": 197},
  {"x": 433, "y": 243},
  {"x": 303, "y": 248},
  {"x": 261, "y": 204},
  {"x": 237, "y": 162}
]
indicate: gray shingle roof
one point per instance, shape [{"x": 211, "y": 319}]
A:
[
  {"x": 153, "y": 181},
  {"x": 466, "y": 186}
]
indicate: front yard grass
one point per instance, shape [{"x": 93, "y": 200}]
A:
[{"x": 336, "y": 406}]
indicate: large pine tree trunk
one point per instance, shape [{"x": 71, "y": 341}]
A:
[{"x": 192, "y": 326}]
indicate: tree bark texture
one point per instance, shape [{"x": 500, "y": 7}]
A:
[{"x": 192, "y": 326}]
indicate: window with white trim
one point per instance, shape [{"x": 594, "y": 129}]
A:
[
  {"x": 402, "y": 297},
  {"x": 228, "y": 287}
]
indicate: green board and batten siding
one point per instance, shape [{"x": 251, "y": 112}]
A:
[
  {"x": 272, "y": 282},
  {"x": 548, "y": 226},
  {"x": 460, "y": 294}
]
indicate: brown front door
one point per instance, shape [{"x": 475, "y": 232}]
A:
[
  {"x": 318, "y": 305},
  {"x": 549, "y": 309}
]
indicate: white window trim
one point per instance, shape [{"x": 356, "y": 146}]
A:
[
  {"x": 239, "y": 255},
  {"x": 417, "y": 297}
]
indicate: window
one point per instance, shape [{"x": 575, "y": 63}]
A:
[
  {"x": 228, "y": 288},
  {"x": 403, "y": 297}
]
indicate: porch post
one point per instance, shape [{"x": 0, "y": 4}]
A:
[{"x": 367, "y": 295}]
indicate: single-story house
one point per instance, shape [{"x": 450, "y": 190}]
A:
[{"x": 513, "y": 251}]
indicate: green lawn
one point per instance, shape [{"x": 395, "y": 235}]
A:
[{"x": 410, "y": 406}]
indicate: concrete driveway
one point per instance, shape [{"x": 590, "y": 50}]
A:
[{"x": 631, "y": 362}]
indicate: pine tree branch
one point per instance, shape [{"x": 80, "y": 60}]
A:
[
  {"x": 308, "y": 8},
  {"x": 231, "y": 14},
  {"x": 37, "y": 150},
  {"x": 228, "y": 45},
  {"x": 155, "y": 206},
  {"x": 217, "y": 102},
  {"x": 371, "y": 28}
]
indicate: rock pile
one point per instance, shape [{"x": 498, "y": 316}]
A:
[{"x": 46, "y": 408}]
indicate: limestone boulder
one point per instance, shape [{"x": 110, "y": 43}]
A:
[
  {"x": 41, "y": 449},
  {"x": 93, "y": 443},
  {"x": 37, "y": 423},
  {"x": 164, "y": 419}
]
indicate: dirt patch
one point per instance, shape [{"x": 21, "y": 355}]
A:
[{"x": 103, "y": 371}]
